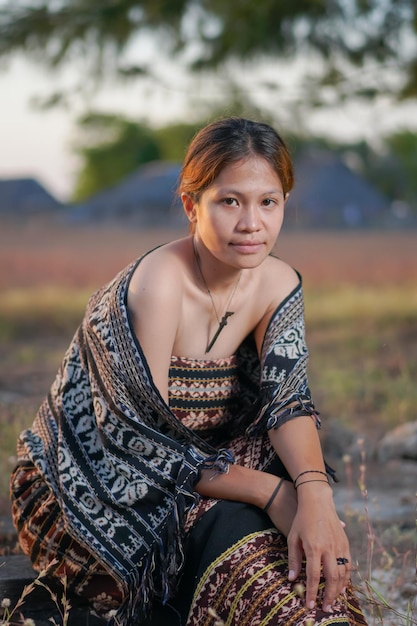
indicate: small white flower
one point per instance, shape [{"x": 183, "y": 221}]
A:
[
  {"x": 299, "y": 590},
  {"x": 5, "y": 603},
  {"x": 29, "y": 622}
]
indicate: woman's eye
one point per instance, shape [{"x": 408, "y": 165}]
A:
[
  {"x": 229, "y": 201},
  {"x": 268, "y": 202}
]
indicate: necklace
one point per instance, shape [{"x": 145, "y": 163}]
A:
[{"x": 223, "y": 321}]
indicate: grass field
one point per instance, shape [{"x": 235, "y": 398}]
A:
[{"x": 361, "y": 314}]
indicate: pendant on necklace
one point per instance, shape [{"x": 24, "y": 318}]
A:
[{"x": 222, "y": 324}]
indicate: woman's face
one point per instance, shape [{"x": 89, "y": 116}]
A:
[{"x": 238, "y": 218}]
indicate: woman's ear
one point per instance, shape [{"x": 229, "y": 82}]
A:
[
  {"x": 286, "y": 196},
  {"x": 189, "y": 205}
]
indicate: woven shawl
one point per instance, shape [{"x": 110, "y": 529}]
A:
[{"x": 119, "y": 463}]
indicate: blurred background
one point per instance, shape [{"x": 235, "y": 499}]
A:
[
  {"x": 99, "y": 99},
  {"x": 92, "y": 91}
]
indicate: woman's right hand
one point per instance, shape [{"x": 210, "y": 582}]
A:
[{"x": 317, "y": 535}]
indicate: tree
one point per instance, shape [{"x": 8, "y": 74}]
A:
[
  {"x": 359, "y": 46},
  {"x": 398, "y": 167},
  {"x": 173, "y": 140},
  {"x": 111, "y": 148}
]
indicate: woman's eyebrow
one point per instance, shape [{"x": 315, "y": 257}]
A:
[{"x": 236, "y": 192}]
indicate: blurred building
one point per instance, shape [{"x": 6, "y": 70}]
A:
[
  {"x": 328, "y": 194},
  {"x": 25, "y": 196},
  {"x": 146, "y": 198}
]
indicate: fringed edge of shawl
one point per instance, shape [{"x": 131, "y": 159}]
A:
[
  {"x": 274, "y": 413},
  {"x": 272, "y": 417},
  {"x": 166, "y": 560},
  {"x": 162, "y": 565},
  {"x": 220, "y": 462}
]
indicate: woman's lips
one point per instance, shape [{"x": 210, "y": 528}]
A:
[{"x": 248, "y": 247}]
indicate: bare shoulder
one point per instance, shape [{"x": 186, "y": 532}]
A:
[
  {"x": 154, "y": 300},
  {"x": 279, "y": 278},
  {"x": 155, "y": 292},
  {"x": 158, "y": 274}
]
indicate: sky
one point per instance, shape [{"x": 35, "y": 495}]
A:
[{"x": 37, "y": 144}]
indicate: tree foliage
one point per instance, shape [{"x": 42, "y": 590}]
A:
[
  {"x": 174, "y": 139},
  {"x": 344, "y": 34},
  {"x": 400, "y": 166},
  {"x": 111, "y": 148}
]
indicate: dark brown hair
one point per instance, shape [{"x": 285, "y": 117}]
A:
[{"x": 227, "y": 141}]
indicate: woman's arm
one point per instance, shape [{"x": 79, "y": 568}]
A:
[
  {"x": 154, "y": 301},
  {"x": 316, "y": 530},
  {"x": 307, "y": 516},
  {"x": 244, "y": 484}
]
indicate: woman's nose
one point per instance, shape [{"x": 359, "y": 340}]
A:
[{"x": 250, "y": 219}]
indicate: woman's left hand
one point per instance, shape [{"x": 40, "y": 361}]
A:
[{"x": 317, "y": 533}]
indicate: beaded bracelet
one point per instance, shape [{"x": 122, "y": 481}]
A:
[
  {"x": 274, "y": 493},
  {"x": 308, "y": 472}
]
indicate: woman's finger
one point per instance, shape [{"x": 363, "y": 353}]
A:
[
  {"x": 337, "y": 573},
  {"x": 313, "y": 572},
  {"x": 295, "y": 555}
]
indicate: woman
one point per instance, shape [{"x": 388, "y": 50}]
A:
[{"x": 175, "y": 470}]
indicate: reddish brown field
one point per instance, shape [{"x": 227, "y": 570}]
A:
[{"x": 38, "y": 254}]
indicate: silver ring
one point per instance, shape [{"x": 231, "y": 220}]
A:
[{"x": 341, "y": 560}]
